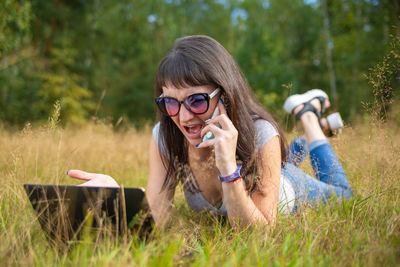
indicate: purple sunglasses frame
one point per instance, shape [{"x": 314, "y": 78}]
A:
[{"x": 159, "y": 101}]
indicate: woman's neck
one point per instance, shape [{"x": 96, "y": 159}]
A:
[{"x": 199, "y": 154}]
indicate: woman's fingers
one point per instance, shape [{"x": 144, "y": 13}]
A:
[
  {"x": 223, "y": 136},
  {"x": 101, "y": 183},
  {"x": 221, "y": 108},
  {"x": 220, "y": 125},
  {"x": 211, "y": 128},
  {"x": 88, "y": 183},
  {"x": 93, "y": 179},
  {"x": 223, "y": 118},
  {"x": 225, "y": 122},
  {"x": 78, "y": 174},
  {"x": 207, "y": 143}
]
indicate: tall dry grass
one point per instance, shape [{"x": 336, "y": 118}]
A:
[{"x": 362, "y": 231}]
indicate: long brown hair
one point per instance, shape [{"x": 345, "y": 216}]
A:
[{"x": 200, "y": 60}]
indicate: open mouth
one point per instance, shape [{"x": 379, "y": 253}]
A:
[{"x": 194, "y": 131}]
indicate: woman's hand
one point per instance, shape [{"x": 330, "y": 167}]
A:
[
  {"x": 93, "y": 179},
  {"x": 224, "y": 141}
]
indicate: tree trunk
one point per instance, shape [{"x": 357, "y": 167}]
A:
[
  {"x": 356, "y": 59},
  {"x": 328, "y": 53}
]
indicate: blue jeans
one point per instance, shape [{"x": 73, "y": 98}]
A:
[{"x": 331, "y": 179}]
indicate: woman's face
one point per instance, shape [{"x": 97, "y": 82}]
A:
[{"x": 191, "y": 124}]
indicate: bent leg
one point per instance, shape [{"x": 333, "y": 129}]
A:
[
  {"x": 309, "y": 190},
  {"x": 331, "y": 177},
  {"x": 328, "y": 169}
]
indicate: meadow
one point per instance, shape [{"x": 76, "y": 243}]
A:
[{"x": 363, "y": 231}]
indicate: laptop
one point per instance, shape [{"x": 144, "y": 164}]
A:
[{"x": 64, "y": 211}]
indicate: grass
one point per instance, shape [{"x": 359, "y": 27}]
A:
[{"x": 362, "y": 231}]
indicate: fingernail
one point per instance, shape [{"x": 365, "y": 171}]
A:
[
  {"x": 197, "y": 145},
  {"x": 66, "y": 173},
  {"x": 207, "y": 120}
]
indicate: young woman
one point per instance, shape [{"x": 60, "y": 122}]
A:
[{"x": 225, "y": 149}]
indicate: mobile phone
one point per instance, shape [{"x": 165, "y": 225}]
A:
[{"x": 210, "y": 135}]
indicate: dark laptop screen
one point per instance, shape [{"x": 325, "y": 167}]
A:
[{"x": 63, "y": 211}]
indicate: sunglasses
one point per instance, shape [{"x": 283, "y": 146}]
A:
[{"x": 196, "y": 103}]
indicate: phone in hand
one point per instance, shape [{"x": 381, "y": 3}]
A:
[{"x": 210, "y": 135}]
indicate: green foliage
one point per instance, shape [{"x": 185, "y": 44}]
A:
[
  {"x": 15, "y": 19},
  {"x": 99, "y": 57},
  {"x": 57, "y": 87},
  {"x": 382, "y": 79}
]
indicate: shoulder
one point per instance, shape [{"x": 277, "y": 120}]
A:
[
  {"x": 264, "y": 132},
  {"x": 158, "y": 139},
  {"x": 156, "y": 131}
]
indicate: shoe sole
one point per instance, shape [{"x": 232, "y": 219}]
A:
[{"x": 295, "y": 100}]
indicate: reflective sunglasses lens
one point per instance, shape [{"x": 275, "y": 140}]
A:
[
  {"x": 171, "y": 106},
  {"x": 197, "y": 103}
]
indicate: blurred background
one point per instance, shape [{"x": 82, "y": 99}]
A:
[{"x": 97, "y": 58}]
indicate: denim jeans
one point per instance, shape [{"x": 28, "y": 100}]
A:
[{"x": 331, "y": 179}]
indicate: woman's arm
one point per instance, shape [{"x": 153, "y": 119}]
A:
[
  {"x": 242, "y": 208},
  {"x": 160, "y": 201},
  {"x": 261, "y": 206}
]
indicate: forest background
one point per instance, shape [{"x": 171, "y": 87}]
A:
[
  {"x": 97, "y": 59},
  {"x": 68, "y": 63}
]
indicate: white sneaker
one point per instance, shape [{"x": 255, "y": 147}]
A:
[
  {"x": 298, "y": 99},
  {"x": 335, "y": 121},
  {"x": 335, "y": 124}
]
